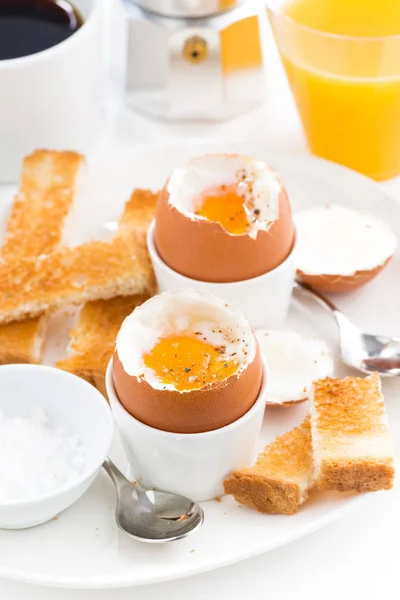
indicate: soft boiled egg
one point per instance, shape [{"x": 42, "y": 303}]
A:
[
  {"x": 223, "y": 218},
  {"x": 340, "y": 249},
  {"x": 187, "y": 362}
]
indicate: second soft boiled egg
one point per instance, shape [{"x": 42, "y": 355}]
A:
[
  {"x": 187, "y": 362},
  {"x": 223, "y": 218}
]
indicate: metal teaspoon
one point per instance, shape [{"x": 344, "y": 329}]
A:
[
  {"x": 363, "y": 351},
  {"x": 150, "y": 515}
]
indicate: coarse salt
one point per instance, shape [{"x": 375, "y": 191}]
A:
[{"x": 36, "y": 459}]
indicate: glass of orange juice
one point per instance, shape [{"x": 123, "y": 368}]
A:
[{"x": 342, "y": 59}]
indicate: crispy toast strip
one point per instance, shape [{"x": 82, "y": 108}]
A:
[
  {"x": 139, "y": 212},
  {"x": 48, "y": 185},
  {"x": 92, "y": 340},
  {"x": 282, "y": 476},
  {"x": 350, "y": 435},
  {"x": 93, "y": 271}
]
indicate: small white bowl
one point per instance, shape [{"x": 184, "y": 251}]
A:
[
  {"x": 70, "y": 402},
  {"x": 192, "y": 464},
  {"x": 264, "y": 300}
]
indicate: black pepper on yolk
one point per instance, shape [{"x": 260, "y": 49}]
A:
[
  {"x": 189, "y": 363},
  {"x": 224, "y": 205}
]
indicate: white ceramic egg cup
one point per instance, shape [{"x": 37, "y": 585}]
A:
[
  {"x": 191, "y": 464},
  {"x": 263, "y": 300}
]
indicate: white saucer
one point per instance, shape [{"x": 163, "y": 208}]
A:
[{"x": 83, "y": 548}]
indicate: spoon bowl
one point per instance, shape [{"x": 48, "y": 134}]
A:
[
  {"x": 378, "y": 353},
  {"x": 150, "y": 515},
  {"x": 362, "y": 351}
]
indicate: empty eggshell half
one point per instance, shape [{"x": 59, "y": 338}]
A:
[
  {"x": 204, "y": 249},
  {"x": 155, "y": 399},
  {"x": 294, "y": 362},
  {"x": 340, "y": 249}
]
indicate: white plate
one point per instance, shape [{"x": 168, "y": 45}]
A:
[{"x": 83, "y": 547}]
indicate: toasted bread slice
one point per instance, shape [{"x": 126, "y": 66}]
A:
[
  {"x": 92, "y": 271},
  {"x": 350, "y": 436},
  {"x": 49, "y": 182},
  {"x": 282, "y": 476},
  {"x": 22, "y": 341},
  {"x": 139, "y": 212},
  {"x": 93, "y": 338}
]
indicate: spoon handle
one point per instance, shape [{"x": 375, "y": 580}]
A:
[
  {"x": 117, "y": 477},
  {"x": 316, "y": 295}
]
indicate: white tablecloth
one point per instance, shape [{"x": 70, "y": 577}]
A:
[{"x": 356, "y": 557}]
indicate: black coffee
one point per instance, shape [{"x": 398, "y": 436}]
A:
[{"x": 30, "y": 26}]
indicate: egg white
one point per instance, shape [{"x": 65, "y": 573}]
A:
[
  {"x": 294, "y": 362},
  {"x": 183, "y": 312},
  {"x": 257, "y": 183},
  {"x": 337, "y": 240}
]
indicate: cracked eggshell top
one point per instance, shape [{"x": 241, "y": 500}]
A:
[
  {"x": 204, "y": 250},
  {"x": 340, "y": 249}
]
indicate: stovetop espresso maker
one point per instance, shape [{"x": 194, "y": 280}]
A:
[{"x": 194, "y": 59}]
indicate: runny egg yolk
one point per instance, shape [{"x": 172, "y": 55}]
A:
[
  {"x": 225, "y": 206},
  {"x": 189, "y": 363}
]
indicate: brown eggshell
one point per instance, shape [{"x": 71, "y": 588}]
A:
[
  {"x": 205, "y": 251},
  {"x": 341, "y": 284},
  {"x": 189, "y": 412},
  {"x": 286, "y": 403}
]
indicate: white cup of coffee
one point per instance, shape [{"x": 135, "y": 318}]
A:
[{"x": 51, "y": 98}]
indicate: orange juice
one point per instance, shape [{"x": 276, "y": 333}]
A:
[
  {"x": 342, "y": 58},
  {"x": 240, "y": 45}
]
